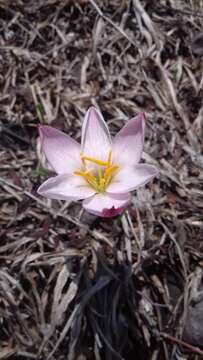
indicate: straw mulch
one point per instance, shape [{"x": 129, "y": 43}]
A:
[{"x": 74, "y": 286}]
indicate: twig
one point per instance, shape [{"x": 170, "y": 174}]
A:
[{"x": 190, "y": 347}]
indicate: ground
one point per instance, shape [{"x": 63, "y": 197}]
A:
[{"x": 75, "y": 286}]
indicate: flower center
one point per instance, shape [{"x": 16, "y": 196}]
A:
[{"x": 100, "y": 176}]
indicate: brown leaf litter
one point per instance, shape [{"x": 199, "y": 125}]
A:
[{"x": 73, "y": 286}]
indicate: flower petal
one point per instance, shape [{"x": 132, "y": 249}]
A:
[
  {"x": 107, "y": 205},
  {"x": 96, "y": 140},
  {"x": 65, "y": 187},
  {"x": 130, "y": 178},
  {"x": 62, "y": 152},
  {"x": 128, "y": 143}
]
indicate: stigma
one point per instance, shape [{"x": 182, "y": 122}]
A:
[{"x": 101, "y": 175}]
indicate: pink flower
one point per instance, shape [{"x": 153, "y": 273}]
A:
[{"x": 101, "y": 171}]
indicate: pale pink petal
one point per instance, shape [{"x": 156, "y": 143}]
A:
[
  {"x": 107, "y": 205},
  {"x": 66, "y": 187},
  {"x": 96, "y": 140},
  {"x": 130, "y": 178},
  {"x": 62, "y": 152},
  {"x": 128, "y": 143}
]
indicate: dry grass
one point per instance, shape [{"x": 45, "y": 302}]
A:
[{"x": 73, "y": 286}]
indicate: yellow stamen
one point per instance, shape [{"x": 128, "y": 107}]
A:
[
  {"x": 80, "y": 173},
  {"x": 109, "y": 157},
  {"x": 110, "y": 170},
  {"x": 88, "y": 177},
  {"x": 101, "y": 185},
  {"x": 95, "y": 161},
  {"x": 105, "y": 172},
  {"x": 109, "y": 173}
]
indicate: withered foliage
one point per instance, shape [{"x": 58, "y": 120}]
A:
[{"x": 73, "y": 286}]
